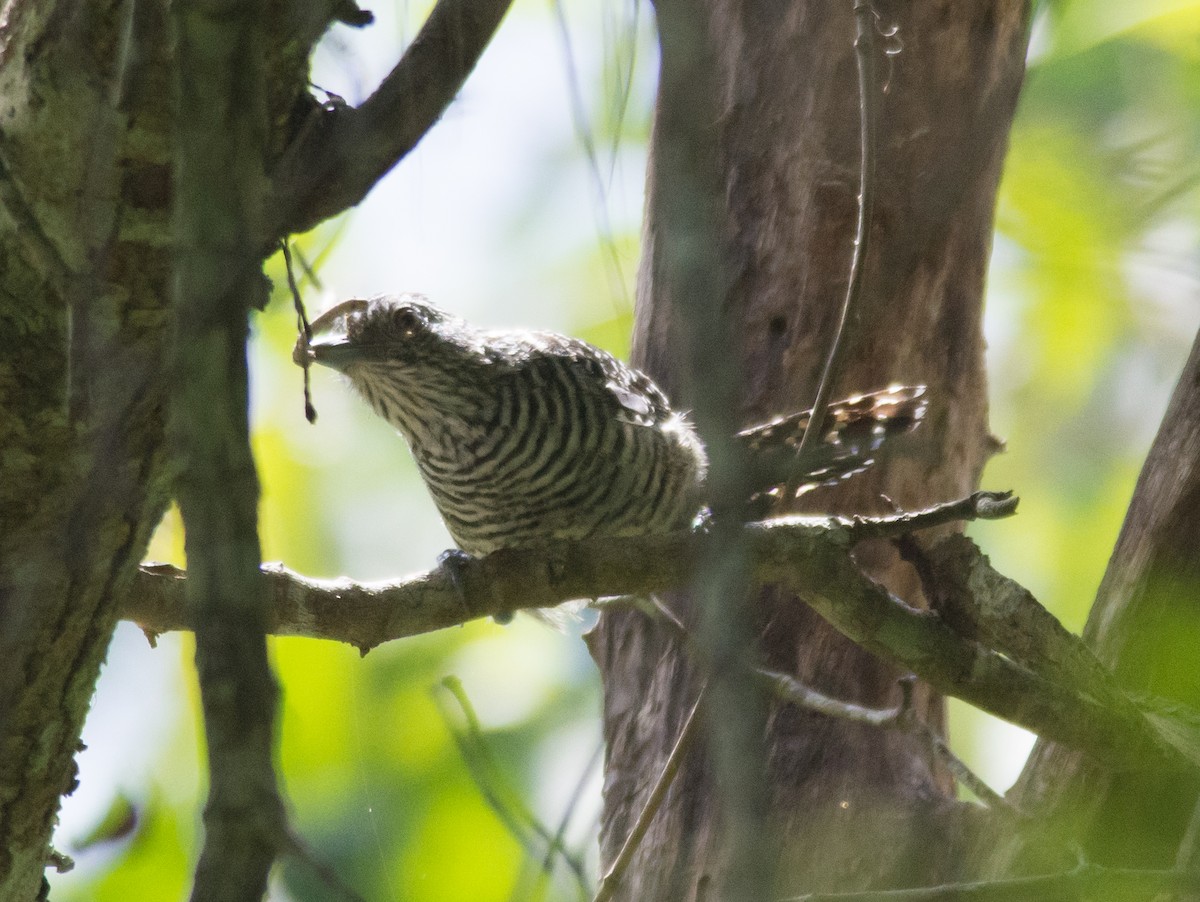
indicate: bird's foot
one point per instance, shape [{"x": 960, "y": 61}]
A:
[{"x": 454, "y": 562}]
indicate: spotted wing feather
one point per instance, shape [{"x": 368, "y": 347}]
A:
[{"x": 854, "y": 430}]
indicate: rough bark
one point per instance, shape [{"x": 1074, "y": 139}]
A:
[
  {"x": 847, "y": 807},
  {"x": 85, "y": 190},
  {"x": 82, "y": 285}
]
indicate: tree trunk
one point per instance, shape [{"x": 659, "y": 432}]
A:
[
  {"x": 84, "y": 269},
  {"x": 761, "y": 101},
  {"x": 85, "y": 264}
]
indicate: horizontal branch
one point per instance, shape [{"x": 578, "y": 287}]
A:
[{"x": 809, "y": 556}]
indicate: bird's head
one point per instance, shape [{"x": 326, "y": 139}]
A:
[
  {"x": 395, "y": 329},
  {"x": 399, "y": 351}
]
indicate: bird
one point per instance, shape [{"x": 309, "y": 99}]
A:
[{"x": 525, "y": 437}]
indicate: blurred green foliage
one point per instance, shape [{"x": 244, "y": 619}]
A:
[
  {"x": 1092, "y": 299},
  {"x": 1092, "y": 305}
]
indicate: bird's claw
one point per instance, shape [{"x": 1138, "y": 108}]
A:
[{"x": 454, "y": 563}]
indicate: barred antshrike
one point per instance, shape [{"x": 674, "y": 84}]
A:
[{"x": 524, "y": 437}]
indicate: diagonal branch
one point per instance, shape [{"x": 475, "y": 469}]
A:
[
  {"x": 810, "y": 557},
  {"x": 341, "y": 152},
  {"x": 987, "y": 606},
  {"x": 683, "y": 744}
]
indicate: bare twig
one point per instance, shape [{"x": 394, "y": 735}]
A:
[
  {"x": 294, "y": 846},
  {"x": 976, "y": 506},
  {"x": 903, "y": 718},
  {"x": 864, "y": 54},
  {"x": 1187, "y": 858},
  {"x": 687, "y": 736},
  {"x": 304, "y": 328},
  {"x": 587, "y": 139},
  {"x": 569, "y": 811},
  {"x": 61, "y": 862}
]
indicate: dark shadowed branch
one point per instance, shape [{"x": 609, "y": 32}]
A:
[
  {"x": 341, "y": 152},
  {"x": 689, "y": 272},
  {"x": 44, "y": 256},
  {"x": 218, "y": 205}
]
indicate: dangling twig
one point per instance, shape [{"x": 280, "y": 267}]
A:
[
  {"x": 864, "y": 51},
  {"x": 303, "y": 327}
]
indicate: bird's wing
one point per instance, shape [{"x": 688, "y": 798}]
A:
[
  {"x": 622, "y": 391},
  {"x": 854, "y": 430}
]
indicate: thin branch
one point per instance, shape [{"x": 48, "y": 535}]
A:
[
  {"x": 976, "y": 506},
  {"x": 587, "y": 139},
  {"x": 307, "y": 857},
  {"x": 809, "y": 557},
  {"x": 963, "y": 773},
  {"x": 902, "y": 718},
  {"x": 303, "y": 327},
  {"x": 1087, "y": 881},
  {"x": 498, "y": 791},
  {"x": 1187, "y": 858},
  {"x": 502, "y": 799},
  {"x": 687, "y": 736},
  {"x": 338, "y": 157},
  {"x": 864, "y": 53}
]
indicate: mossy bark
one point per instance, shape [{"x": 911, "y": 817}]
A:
[{"x": 85, "y": 267}]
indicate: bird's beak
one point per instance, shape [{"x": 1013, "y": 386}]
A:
[
  {"x": 329, "y": 346},
  {"x": 334, "y": 351}
]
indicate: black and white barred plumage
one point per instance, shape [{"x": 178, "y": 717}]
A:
[{"x": 523, "y": 436}]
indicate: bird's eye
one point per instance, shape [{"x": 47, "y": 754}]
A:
[{"x": 406, "y": 322}]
